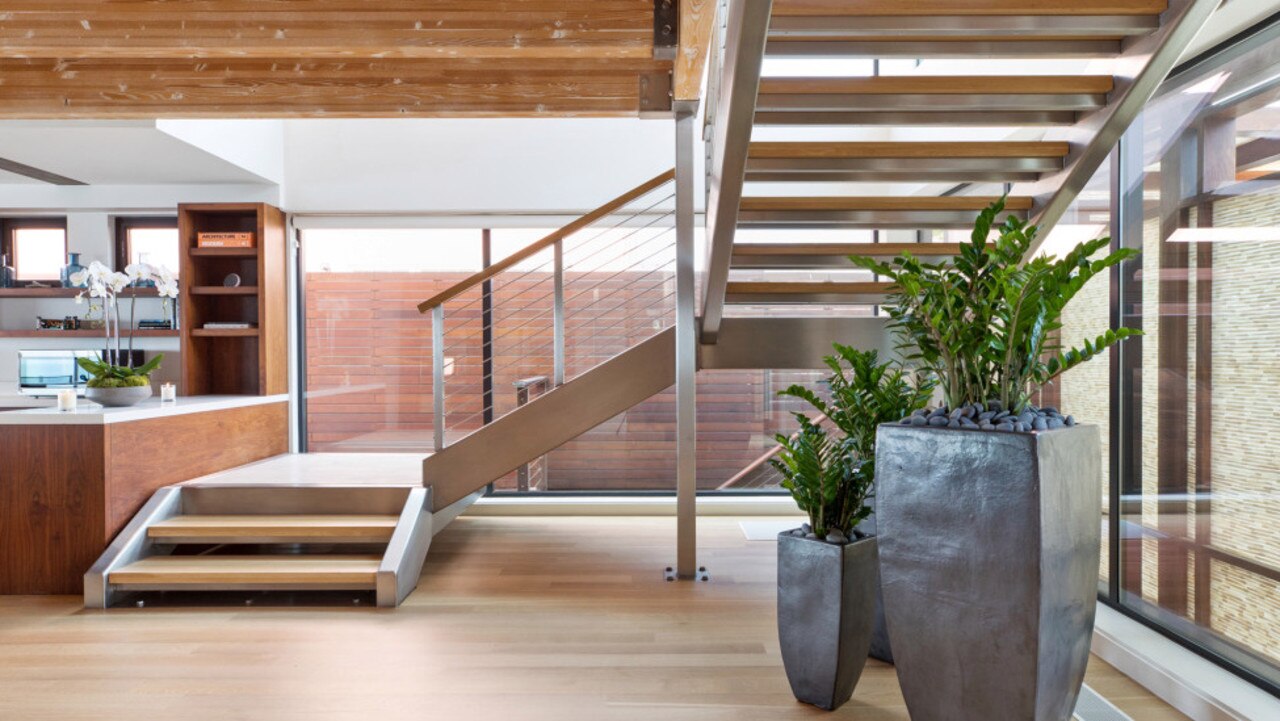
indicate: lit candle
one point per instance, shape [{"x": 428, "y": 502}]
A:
[
  {"x": 168, "y": 392},
  {"x": 66, "y": 400}
]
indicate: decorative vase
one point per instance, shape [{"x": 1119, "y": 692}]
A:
[
  {"x": 881, "y": 650},
  {"x": 71, "y": 268},
  {"x": 118, "y": 397},
  {"x": 989, "y": 563},
  {"x": 8, "y": 278},
  {"x": 826, "y": 607}
]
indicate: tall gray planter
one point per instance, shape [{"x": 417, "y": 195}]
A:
[
  {"x": 989, "y": 563},
  {"x": 826, "y": 606},
  {"x": 880, "y": 648}
]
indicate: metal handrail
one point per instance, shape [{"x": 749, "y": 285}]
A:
[
  {"x": 540, "y": 315},
  {"x": 763, "y": 459},
  {"x": 548, "y": 241}
]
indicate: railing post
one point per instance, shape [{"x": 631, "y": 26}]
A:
[
  {"x": 437, "y": 375},
  {"x": 558, "y": 322}
]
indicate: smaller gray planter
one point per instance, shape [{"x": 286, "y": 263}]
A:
[
  {"x": 118, "y": 397},
  {"x": 826, "y": 608}
]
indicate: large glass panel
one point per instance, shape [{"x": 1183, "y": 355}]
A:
[
  {"x": 368, "y": 349},
  {"x": 1200, "y": 530}
]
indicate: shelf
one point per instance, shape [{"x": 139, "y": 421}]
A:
[
  {"x": 148, "y": 333},
  {"x": 224, "y": 252},
  {"x": 224, "y": 332},
  {"x": 67, "y": 292},
  {"x": 224, "y": 290}
]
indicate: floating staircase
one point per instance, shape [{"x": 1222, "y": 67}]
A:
[
  {"x": 1053, "y": 131},
  {"x": 222, "y": 537}
]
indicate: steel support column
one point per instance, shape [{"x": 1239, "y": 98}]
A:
[{"x": 686, "y": 351}]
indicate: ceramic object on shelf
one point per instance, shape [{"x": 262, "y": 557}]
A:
[
  {"x": 71, "y": 268},
  {"x": 8, "y": 278},
  {"x": 118, "y": 397}
]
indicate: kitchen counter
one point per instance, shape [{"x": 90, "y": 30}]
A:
[
  {"x": 88, "y": 413},
  {"x": 71, "y": 480}
]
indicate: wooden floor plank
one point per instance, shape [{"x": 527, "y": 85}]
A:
[{"x": 515, "y": 619}]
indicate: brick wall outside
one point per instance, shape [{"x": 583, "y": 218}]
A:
[{"x": 369, "y": 385}]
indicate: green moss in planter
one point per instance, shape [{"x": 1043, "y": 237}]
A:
[{"x": 126, "y": 382}]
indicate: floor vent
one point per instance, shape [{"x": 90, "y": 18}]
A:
[{"x": 1092, "y": 707}]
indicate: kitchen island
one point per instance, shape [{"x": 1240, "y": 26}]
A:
[{"x": 69, "y": 481}]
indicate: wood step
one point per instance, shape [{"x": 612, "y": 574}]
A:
[
  {"x": 941, "y": 85},
  {"x": 294, "y": 572},
  {"x": 903, "y": 150},
  {"x": 806, "y": 293},
  {"x": 873, "y": 213},
  {"x": 897, "y": 202},
  {"x": 274, "y": 529},
  {"x": 931, "y": 47},
  {"x": 926, "y": 8},
  {"x": 830, "y": 255},
  {"x": 916, "y": 162},
  {"x": 928, "y": 100}
]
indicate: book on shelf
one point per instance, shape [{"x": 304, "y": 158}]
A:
[
  {"x": 224, "y": 240},
  {"x": 228, "y": 326}
]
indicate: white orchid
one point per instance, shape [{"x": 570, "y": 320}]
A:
[{"x": 100, "y": 281}]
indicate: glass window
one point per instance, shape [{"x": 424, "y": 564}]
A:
[
  {"x": 1199, "y": 526},
  {"x": 153, "y": 244},
  {"x": 37, "y": 249}
]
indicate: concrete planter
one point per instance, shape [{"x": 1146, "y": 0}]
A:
[
  {"x": 989, "y": 563},
  {"x": 826, "y": 606},
  {"x": 118, "y": 397}
]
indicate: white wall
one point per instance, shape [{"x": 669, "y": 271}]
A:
[{"x": 461, "y": 166}]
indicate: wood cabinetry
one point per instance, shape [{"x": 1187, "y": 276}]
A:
[{"x": 239, "y": 361}]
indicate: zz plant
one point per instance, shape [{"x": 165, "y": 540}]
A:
[
  {"x": 983, "y": 323},
  {"x": 830, "y": 478}
]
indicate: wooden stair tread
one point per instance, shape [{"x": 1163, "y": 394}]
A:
[
  {"x": 808, "y": 287},
  {"x": 972, "y": 149},
  {"x": 941, "y": 85},
  {"x": 337, "y": 527},
  {"x": 875, "y": 250},
  {"x": 880, "y": 8},
  {"x": 175, "y": 571},
  {"x": 895, "y": 203}
]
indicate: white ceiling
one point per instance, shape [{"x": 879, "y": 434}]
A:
[{"x": 114, "y": 153}]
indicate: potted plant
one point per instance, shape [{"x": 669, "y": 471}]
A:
[
  {"x": 988, "y": 508},
  {"x": 114, "y": 381},
  {"x": 865, "y": 393},
  {"x": 828, "y": 592}
]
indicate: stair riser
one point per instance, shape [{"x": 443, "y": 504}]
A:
[
  {"x": 272, "y": 585},
  {"x": 804, "y": 298}
]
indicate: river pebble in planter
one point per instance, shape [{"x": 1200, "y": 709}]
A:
[{"x": 990, "y": 416}]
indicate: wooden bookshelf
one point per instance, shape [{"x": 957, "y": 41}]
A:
[
  {"x": 234, "y": 361},
  {"x": 82, "y": 333}
]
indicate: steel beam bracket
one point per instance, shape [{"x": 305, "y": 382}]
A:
[
  {"x": 670, "y": 575},
  {"x": 666, "y": 29}
]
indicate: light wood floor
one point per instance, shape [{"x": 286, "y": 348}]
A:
[{"x": 554, "y": 619}]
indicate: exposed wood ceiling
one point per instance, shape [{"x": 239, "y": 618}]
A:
[{"x": 329, "y": 58}]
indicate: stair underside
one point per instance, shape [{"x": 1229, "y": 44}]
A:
[
  {"x": 1003, "y": 162},
  {"x": 807, "y": 293},
  {"x": 232, "y": 529},
  {"x": 830, "y": 255},
  {"x": 240, "y": 573},
  {"x": 950, "y": 29},
  {"x": 871, "y": 213}
]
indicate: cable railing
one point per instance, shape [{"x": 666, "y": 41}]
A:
[{"x": 555, "y": 308}]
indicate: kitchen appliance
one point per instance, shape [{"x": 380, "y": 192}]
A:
[{"x": 45, "y": 372}]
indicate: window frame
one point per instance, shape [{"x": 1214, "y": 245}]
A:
[
  {"x": 8, "y": 232},
  {"x": 124, "y": 223}
]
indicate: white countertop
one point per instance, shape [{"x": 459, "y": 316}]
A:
[{"x": 92, "y": 414}]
